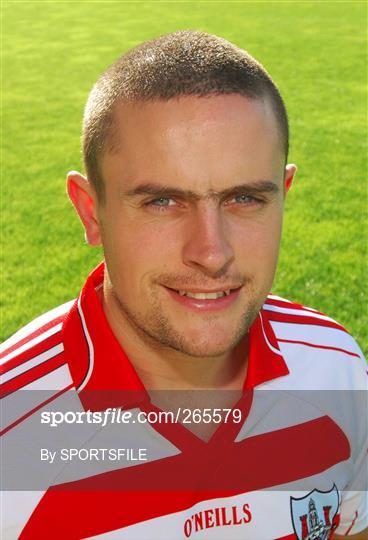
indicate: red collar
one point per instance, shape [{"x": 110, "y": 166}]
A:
[{"x": 98, "y": 362}]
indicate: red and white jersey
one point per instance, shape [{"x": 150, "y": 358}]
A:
[{"x": 293, "y": 467}]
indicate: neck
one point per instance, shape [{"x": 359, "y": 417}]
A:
[{"x": 163, "y": 368}]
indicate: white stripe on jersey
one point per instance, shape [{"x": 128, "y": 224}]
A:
[
  {"x": 298, "y": 312},
  {"x": 266, "y": 338},
  {"x": 39, "y": 359},
  {"x": 15, "y": 405},
  {"x": 54, "y": 380},
  {"x": 91, "y": 352},
  {"x": 272, "y": 411},
  {"x": 288, "y": 302},
  {"x": 50, "y": 332},
  {"x": 315, "y": 335},
  {"x": 319, "y": 369},
  {"x": 17, "y": 507},
  {"x": 275, "y": 297},
  {"x": 35, "y": 324}
]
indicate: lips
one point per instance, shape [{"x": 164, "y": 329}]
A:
[
  {"x": 205, "y": 295},
  {"x": 205, "y": 300}
]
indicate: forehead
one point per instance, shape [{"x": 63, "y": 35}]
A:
[{"x": 206, "y": 141}]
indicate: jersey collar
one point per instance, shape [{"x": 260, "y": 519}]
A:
[{"x": 98, "y": 362}]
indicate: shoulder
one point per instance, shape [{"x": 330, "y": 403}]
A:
[
  {"x": 327, "y": 369},
  {"x": 50, "y": 322},
  {"x": 34, "y": 377},
  {"x": 33, "y": 357},
  {"x": 315, "y": 345}
]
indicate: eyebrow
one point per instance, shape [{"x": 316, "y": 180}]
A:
[{"x": 252, "y": 188}]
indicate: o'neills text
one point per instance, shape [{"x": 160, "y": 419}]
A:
[{"x": 217, "y": 517}]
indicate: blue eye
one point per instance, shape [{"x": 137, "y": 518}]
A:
[
  {"x": 243, "y": 199},
  {"x": 162, "y": 201}
]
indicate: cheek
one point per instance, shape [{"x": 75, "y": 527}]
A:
[
  {"x": 259, "y": 238},
  {"x": 152, "y": 241},
  {"x": 138, "y": 250}
]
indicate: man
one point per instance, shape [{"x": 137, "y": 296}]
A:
[{"x": 185, "y": 143}]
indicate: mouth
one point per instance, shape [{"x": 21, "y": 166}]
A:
[
  {"x": 205, "y": 295},
  {"x": 205, "y": 300}
]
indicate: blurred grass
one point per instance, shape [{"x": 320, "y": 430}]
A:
[{"x": 316, "y": 52}]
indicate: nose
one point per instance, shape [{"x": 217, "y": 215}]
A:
[{"x": 208, "y": 247}]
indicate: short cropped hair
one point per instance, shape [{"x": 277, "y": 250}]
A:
[{"x": 183, "y": 63}]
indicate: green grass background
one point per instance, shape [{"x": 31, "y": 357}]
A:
[{"x": 53, "y": 51}]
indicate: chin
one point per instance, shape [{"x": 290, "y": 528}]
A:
[
  {"x": 207, "y": 343},
  {"x": 204, "y": 351}
]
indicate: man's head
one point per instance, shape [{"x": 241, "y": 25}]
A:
[
  {"x": 189, "y": 189},
  {"x": 184, "y": 63}
]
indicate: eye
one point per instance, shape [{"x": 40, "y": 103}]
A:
[
  {"x": 243, "y": 200},
  {"x": 161, "y": 201}
]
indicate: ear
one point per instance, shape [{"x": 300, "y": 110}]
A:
[
  {"x": 84, "y": 200},
  {"x": 290, "y": 171}
]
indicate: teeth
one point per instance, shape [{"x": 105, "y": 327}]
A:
[{"x": 205, "y": 296}]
